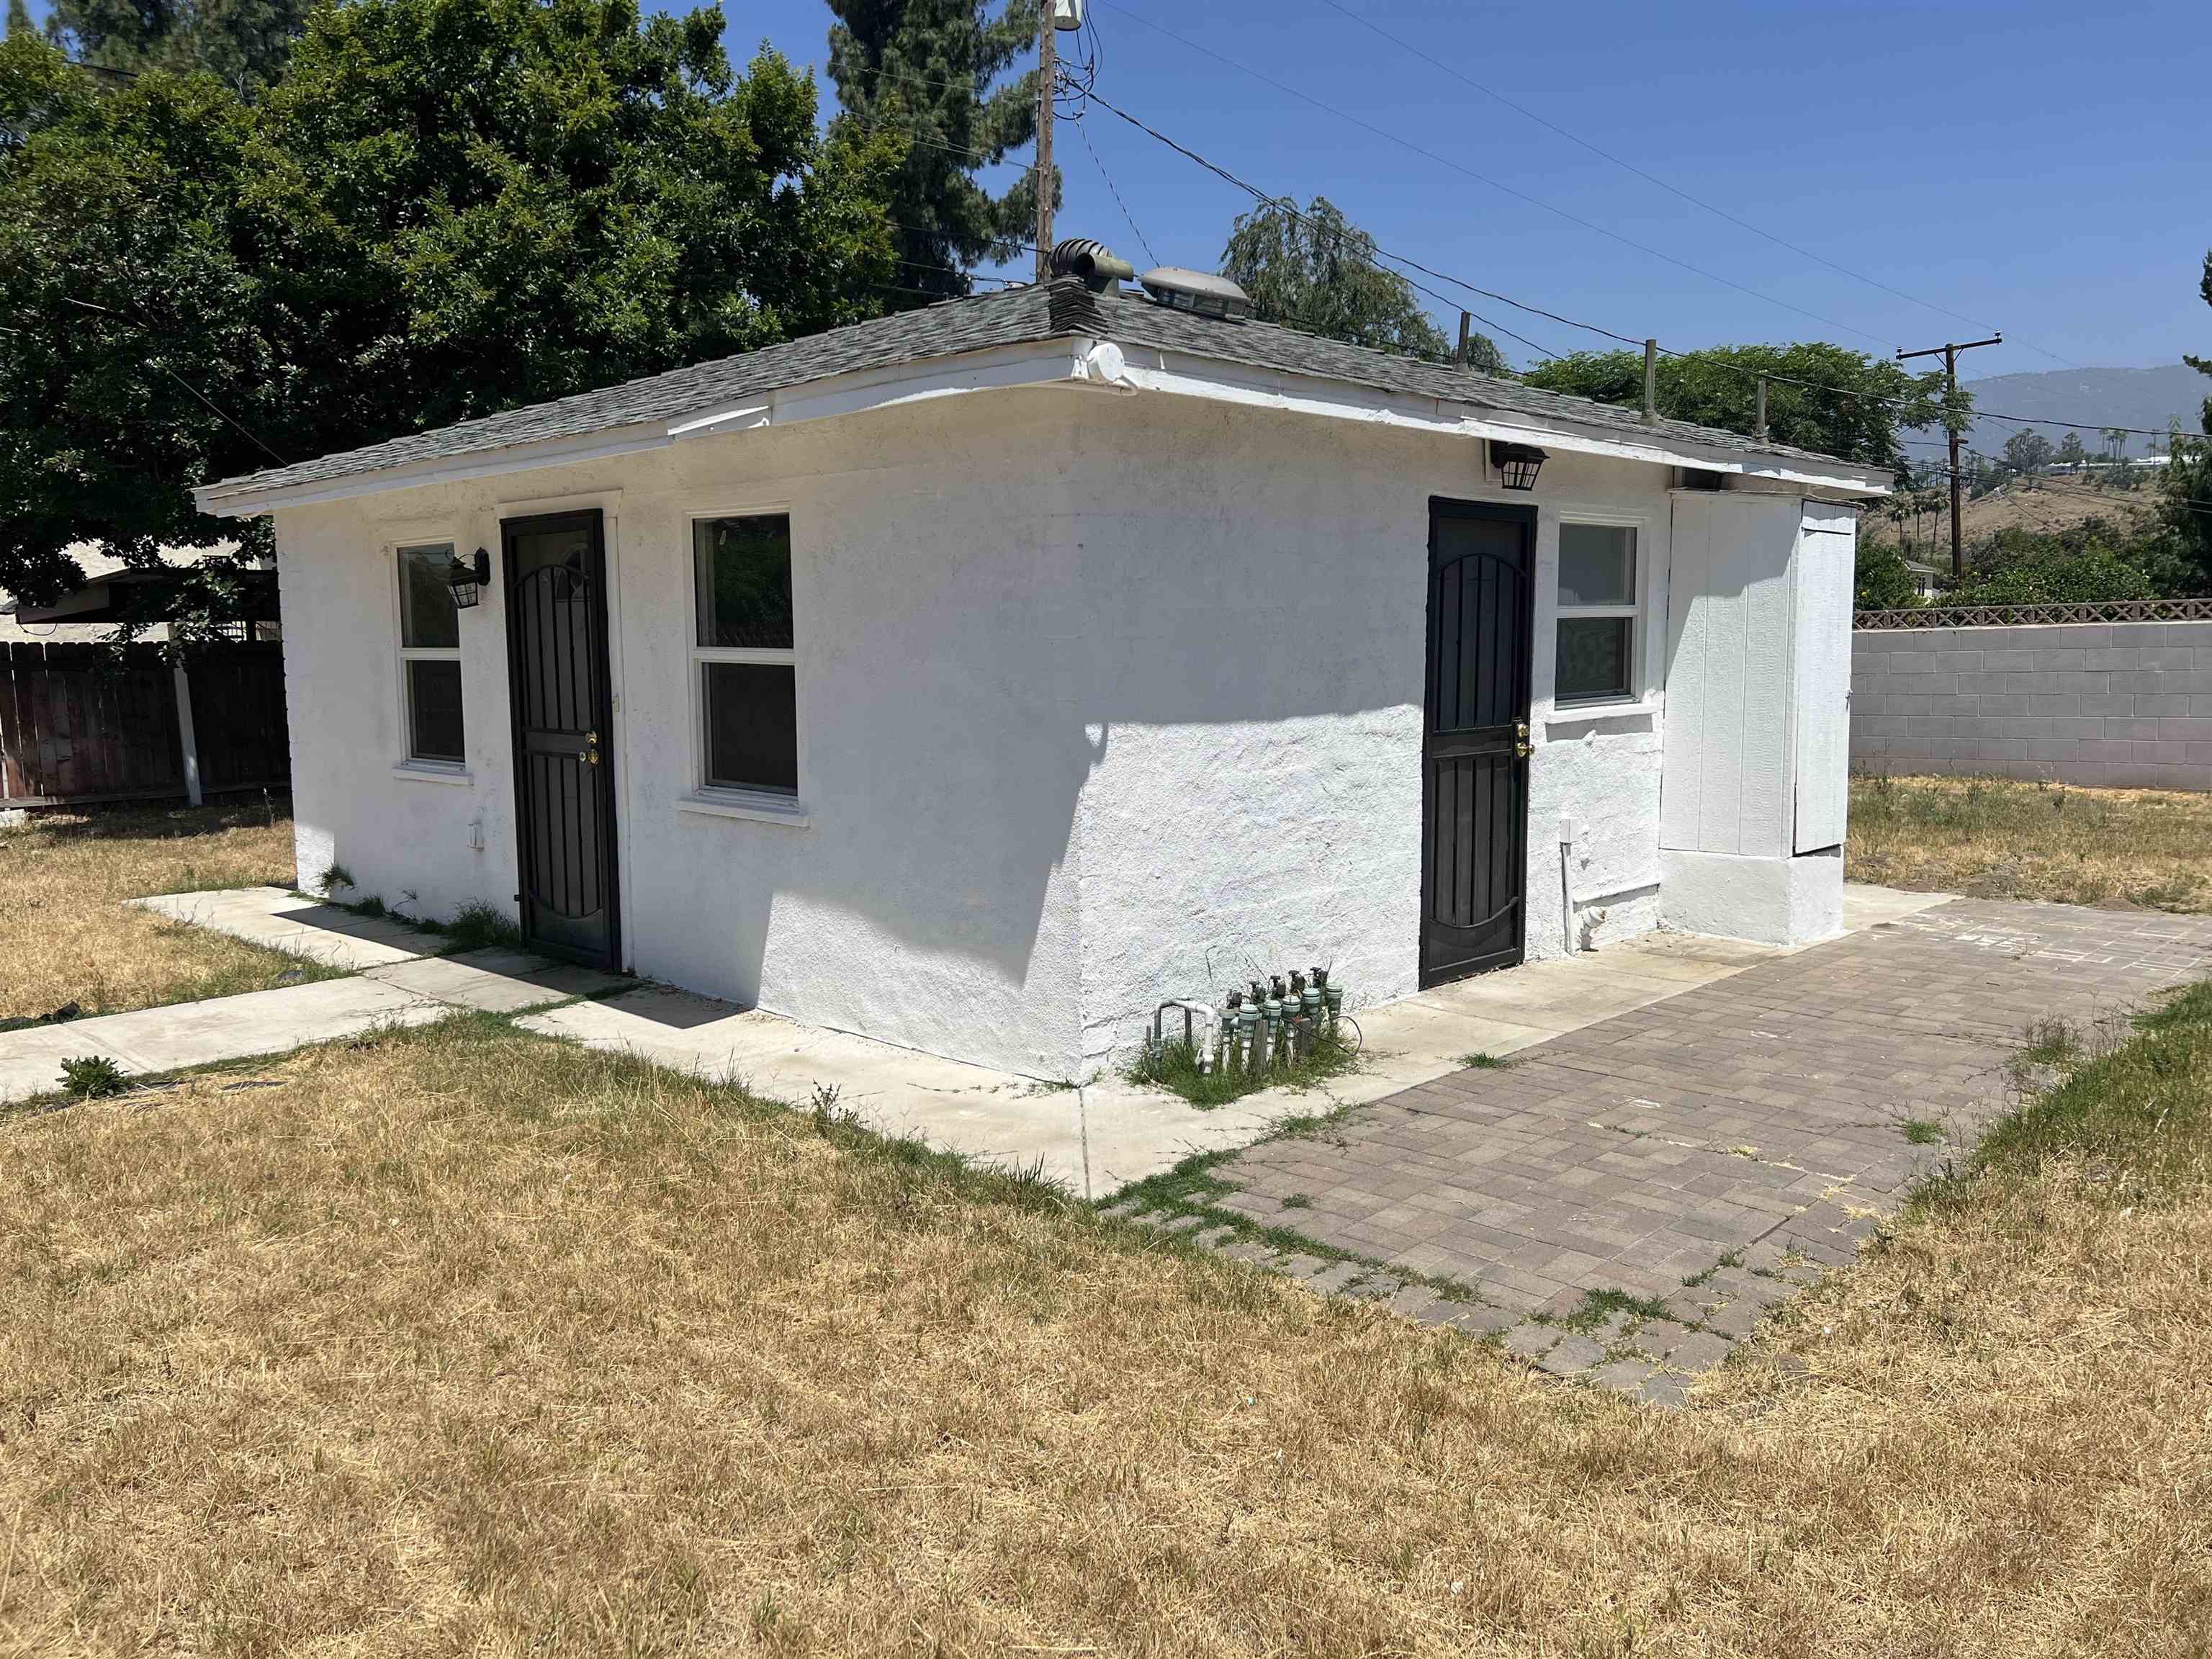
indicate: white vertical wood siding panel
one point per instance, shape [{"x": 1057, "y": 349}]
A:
[
  {"x": 1823, "y": 677},
  {"x": 1764, "y": 804},
  {"x": 1730, "y": 680}
]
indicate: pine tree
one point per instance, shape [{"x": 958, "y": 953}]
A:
[
  {"x": 242, "y": 43},
  {"x": 19, "y": 17},
  {"x": 927, "y": 70}
]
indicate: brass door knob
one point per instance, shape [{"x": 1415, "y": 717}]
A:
[{"x": 591, "y": 749}]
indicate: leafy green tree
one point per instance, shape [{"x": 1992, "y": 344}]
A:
[
  {"x": 2188, "y": 505},
  {"x": 243, "y": 43},
  {"x": 1314, "y": 269},
  {"x": 1819, "y": 396},
  {"x": 2092, "y": 560},
  {"x": 2020, "y": 567},
  {"x": 1881, "y": 581},
  {"x": 2070, "y": 449},
  {"x": 125, "y": 297},
  {"x": 932, "y": 71},
  {"x": 446, "y": 208},
  {"x": 19, "y": 17},
  {"x": 2028, "y": 452}
]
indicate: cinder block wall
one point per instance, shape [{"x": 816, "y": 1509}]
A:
[{"x": 2120, "y": 705}]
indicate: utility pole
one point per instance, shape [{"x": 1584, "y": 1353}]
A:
[
  {"x": 1466, "y": 322},
  {"x": 1949, "y": 353},
  {"x": 1048, "y": 72}
]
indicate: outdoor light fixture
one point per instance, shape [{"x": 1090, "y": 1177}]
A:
[
  {"x": 467, "y": 577},
  {"x": 1518, "y": 465}
]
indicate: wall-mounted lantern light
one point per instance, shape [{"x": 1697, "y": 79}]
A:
[
  {"x": 1518, "y": 465},
  {"x": 468, "y": 577}
]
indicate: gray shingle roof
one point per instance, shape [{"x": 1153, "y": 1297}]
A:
[{"x": 1015, "y": 317}]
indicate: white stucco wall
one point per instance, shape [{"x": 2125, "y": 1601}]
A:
[
  {"x": 1253, "y": 616},
  {"x": 927, "y": 900},
  {"x": 1101, "y": 699}
]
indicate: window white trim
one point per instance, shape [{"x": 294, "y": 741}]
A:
[
  {"x": 412, "y": 653},
  {"x": 727, "y": 801},
  {"x": 1634, "y": 696},
  {"x": 746, "y": 803},
  {"x": 431, "y": 771}
]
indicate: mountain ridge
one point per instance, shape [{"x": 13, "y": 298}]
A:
[{"x": 2085, "y": 400}]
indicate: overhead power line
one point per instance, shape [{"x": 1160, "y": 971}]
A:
[
  {"x": 1258, "y": 194},
  {"x": 1113, "y": 190},
  {"x": 1382, "y": 254},
  {"x": 1484, "y": 179},
  {"x": 1550, "y": 125},
  {"x": 220, "y": 413}
]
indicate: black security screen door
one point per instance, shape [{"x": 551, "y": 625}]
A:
[
  {"x": 1474, "y": 776},
  {"x": 557, "y": 631}
]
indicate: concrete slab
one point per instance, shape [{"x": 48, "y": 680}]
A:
[
  {"x": 189, "y": 1034},
  {"x": 31, "y": 1060},
  {"x": 282, "y": 921},
  {"x": 1866, "y": 905},
  {"x": 1109, "y": 1134},
  {"x": 496, "y": 982},
  {"x": 1096, "y": 1140},
  {"x": 994, "y": 1117}
]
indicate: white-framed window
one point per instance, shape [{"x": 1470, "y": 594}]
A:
[
  {"x": 1596, "y": 644},
  {"x": 743, "y": 664},
  {"x": 431, "y": 655}
]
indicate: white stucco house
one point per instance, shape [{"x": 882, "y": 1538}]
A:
[{"x": 976, "y": 678}]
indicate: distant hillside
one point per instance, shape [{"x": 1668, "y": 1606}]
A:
[
  {"x": 2084, "y": 400},
  {"x": 2055, "y": 504}
]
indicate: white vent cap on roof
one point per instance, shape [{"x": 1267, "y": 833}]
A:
[{"x": 1199, "y": 291}]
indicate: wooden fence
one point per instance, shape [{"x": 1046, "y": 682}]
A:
[{"x": 79, "y": 725}]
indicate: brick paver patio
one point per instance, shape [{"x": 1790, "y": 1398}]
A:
[{"x": 1709, "y": 1152}]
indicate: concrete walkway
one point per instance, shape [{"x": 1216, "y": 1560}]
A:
[
  {"x": 1108, "y": 1134},
  {"x": 1707, "y": 1153},
  {"x": 1094, "y": 1139},
  {"x": 299, "y": 927},
  {"x": 411, "y": 990}
]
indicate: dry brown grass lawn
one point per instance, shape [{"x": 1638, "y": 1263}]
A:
[
  {"x": 65, "y": 935},
  {"x": 461, "y": 1341},
  {"x": 1995, "y": 838}
]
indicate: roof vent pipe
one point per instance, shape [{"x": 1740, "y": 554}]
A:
[{"x": 1094, "y": 262}]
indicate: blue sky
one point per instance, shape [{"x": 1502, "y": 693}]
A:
[{"x": 2031, "y": 166}]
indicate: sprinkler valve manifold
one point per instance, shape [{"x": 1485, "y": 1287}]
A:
[{"x": 1272, "y": 1027}]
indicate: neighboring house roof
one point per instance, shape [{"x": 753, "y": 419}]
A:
[
  {"x": 1063, "y": 309},
  {"x": 85, "y": 615}
]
